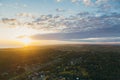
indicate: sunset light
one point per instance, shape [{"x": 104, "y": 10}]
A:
[
  {"x": 26, "y": 41},
  {"x": 59, "y": 39}
]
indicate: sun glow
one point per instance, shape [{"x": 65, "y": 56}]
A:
[{"x": 26, "y": 41}]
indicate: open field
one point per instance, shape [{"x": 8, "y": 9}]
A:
[{"x": 61, "y": 62}]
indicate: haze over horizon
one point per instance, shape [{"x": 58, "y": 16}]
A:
[{"x": 46, "y": 22}]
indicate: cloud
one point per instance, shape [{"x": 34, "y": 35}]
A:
[
  {"x": 87, "y": 2},
  {"x": 24, "y": 14},
  {"x": 99, "y": 39},
  {"x": 81, "y": 22},
  {"x": 101, "y": 1},
  {"x": 101, "y": 24},
  {"x": 101, "y": 5},
  {"x": 58, "y": 0},
  {"x": 5, "y": 20},
  {"x": 89, "y": 36},
  {"x": 56, "y": 36},
  {"x": 107, "y": 5},
  {"x": 74, "y": 1},
  {"x": 10, "y": 21},
  {"x": 83, "y": 14},
  {"x": 83, "y": 27},
  {"x": 60, "y": 10}
]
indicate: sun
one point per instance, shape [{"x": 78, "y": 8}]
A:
[{"x": 26, "y": 41}]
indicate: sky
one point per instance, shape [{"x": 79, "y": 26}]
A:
[{"x": 59, "y": 22}]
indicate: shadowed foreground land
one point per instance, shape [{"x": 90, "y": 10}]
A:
[{"x": 61, "y": 62}]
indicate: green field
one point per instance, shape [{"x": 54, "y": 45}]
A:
[{"x": 61, "y": 62}]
